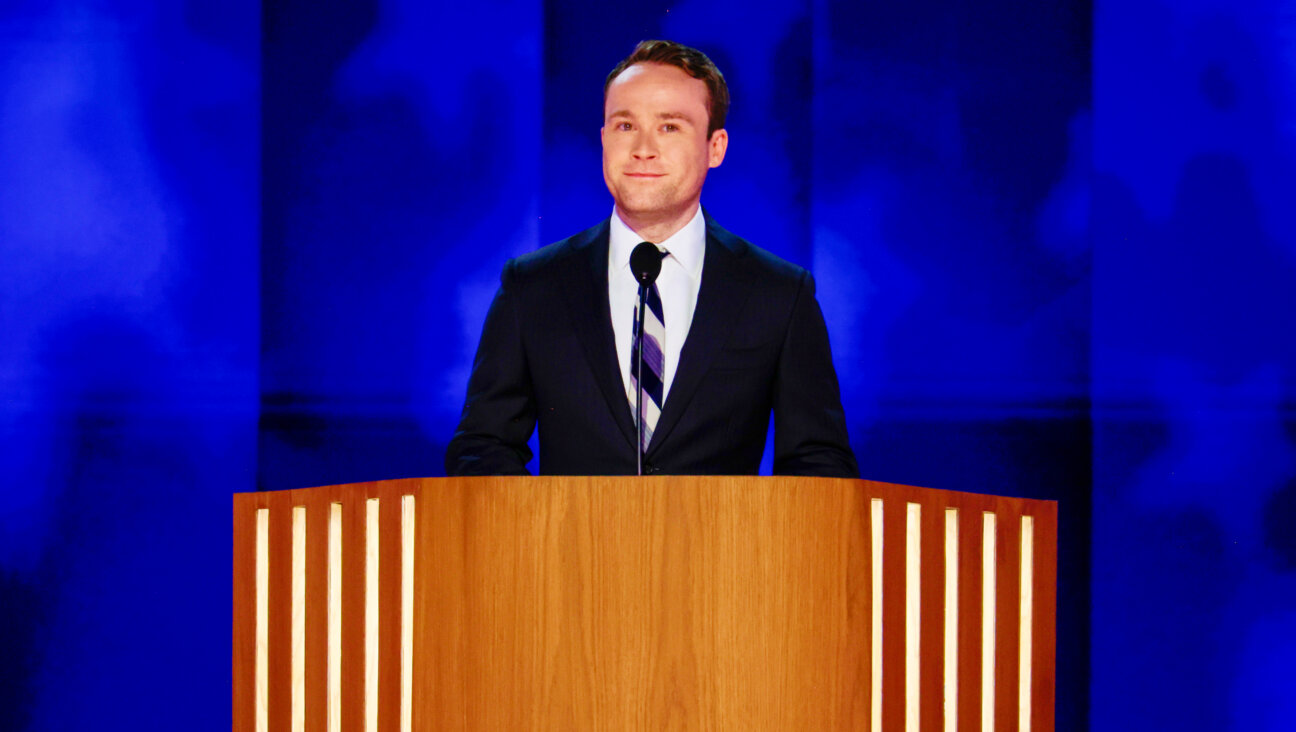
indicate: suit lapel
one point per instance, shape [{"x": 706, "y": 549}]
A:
[
  {"x": 721, "y": 299},
  {"x": 587, "y": 301}
]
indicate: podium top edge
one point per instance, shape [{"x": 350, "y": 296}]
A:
[{"x": 870, "y": 488}]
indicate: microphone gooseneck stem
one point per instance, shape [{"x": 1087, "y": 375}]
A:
[{"x": 638, "y": 370}]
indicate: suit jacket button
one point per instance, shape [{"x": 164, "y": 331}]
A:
[{"x": 650, "y": 469}]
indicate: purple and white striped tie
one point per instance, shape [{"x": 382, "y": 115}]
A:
[{"x": 654, "y": 362}]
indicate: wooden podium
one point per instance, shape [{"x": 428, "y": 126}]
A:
[{"x": 712, "y": 603}]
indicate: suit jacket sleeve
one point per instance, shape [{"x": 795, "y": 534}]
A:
[
  {"x": 499, "y": 413},
  {"x": 809, "y": 423}
]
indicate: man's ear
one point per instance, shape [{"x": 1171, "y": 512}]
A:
[{"x": 716, "y": 148}]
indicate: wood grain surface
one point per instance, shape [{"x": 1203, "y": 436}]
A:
[{"x": 607, "y": 604}]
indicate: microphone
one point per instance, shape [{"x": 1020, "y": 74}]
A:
[{"x": 645, "y": 265}]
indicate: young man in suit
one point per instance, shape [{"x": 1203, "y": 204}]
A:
[{"x": 731, "y": 332}]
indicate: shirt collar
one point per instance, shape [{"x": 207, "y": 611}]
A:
[{"x": 687, "y": 246}]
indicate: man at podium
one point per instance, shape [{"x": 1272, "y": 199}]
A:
[{"x": 731, "y": 333}]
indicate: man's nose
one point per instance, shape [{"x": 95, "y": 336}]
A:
[{"x": 645, "y": 147}]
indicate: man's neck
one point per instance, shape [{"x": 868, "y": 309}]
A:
[{"x": 655, "y": 229}]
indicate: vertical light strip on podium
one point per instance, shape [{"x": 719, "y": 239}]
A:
[
  {"x": 913, "y": 613},
  {"x": 1024, "y": 650},
  {"x": 334, "y": 692},
  {"x": 407, "y": 614},
  {"x": 987, "y": 621},
  {"x": 951, "y": 619},
  {"x": 875, "y": 654},
  {"x": 371, "y": 617},
  {"x": 298, "y": 619},
  {"x": 262, "y": 682}
]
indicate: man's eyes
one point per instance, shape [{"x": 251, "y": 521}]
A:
[{"x": 667, "y": 127}]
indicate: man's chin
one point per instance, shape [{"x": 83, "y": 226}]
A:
[{"x": 644, "y": 209}]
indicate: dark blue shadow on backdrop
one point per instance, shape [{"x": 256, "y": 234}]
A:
[{"x": 399, "y": 175}]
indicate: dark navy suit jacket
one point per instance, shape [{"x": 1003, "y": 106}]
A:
[{"x": 757, "y": 345}]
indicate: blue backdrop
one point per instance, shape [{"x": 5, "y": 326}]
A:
[{"x": 250, "y": 245}]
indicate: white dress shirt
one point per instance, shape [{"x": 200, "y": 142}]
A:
[{"x": 678, "y": 284}]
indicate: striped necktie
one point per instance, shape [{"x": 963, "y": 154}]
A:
[{"x": 654, "y": 362}]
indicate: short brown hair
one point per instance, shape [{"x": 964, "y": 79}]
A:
[{"x": 693, "y": 62}]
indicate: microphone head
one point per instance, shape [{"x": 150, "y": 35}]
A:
[{"x": 645, "y": 263}]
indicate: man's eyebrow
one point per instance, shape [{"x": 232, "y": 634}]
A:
[{"x": 660, "y": 115}]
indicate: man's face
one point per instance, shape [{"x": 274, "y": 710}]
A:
[{"x": 655, "y": 147}]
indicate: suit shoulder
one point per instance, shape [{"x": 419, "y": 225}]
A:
[
  {"x": 555, "y": 256},
  {"x": 775, "y": 266},
  {"x": 759, "y": 262}
]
